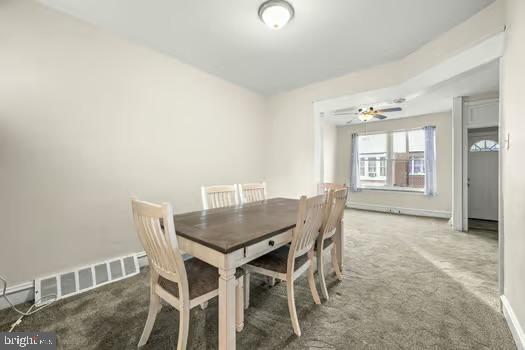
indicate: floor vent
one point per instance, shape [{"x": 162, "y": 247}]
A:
[{"x": 70, "y": 283}]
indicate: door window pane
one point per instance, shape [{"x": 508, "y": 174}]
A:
[{"x": 485, "y": 146}]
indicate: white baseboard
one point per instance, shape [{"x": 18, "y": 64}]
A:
[
  {"x": 18, "y": 294},
  {"x": 515, "y": 328},
  {"x": 143, "y": 259},
  {"x": 25, "y": 292},
  {"x": 399, "y": 210}
]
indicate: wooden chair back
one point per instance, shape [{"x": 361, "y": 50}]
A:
[
  {"x": 160, "y": 243},
  {"x": 335, "y": 207},
  {"x": 253, "y": 192},
  {"x": 309, "y": 222},
  {"x": 324, "y": 187},
  {"x": 219, "y": 196}
]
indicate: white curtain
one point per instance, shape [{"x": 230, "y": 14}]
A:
[
  {"x": 430, "y": 160},
  {"x": 354, "y": 166}
]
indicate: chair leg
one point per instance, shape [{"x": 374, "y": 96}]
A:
[
  {"x": 184, "y": 324},
  {"x": 291, "y": 306},
  {"x": 335, "y": 263},
  {"x": 246, "y": 290},
  {"x": 239, "y": 304},
  {"x": 320, "y": 271},
  {"x": 271, "y": 281},
  {"x": 154, "y": 308},
  {"x": 311, "y": 279}
]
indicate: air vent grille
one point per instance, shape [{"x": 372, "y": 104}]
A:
[{"x": 85, "y": 278}]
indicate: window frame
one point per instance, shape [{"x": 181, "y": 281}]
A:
[{"x": 385, "y": 158}]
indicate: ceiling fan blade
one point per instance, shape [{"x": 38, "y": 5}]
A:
[
  {"x": 345, "y": 110},
  {"x": 350, "y": 121},
  {"x": 386, "y": 110},
  {"x": 342, "y": 114},
  {"x": 380, "y": 116}
]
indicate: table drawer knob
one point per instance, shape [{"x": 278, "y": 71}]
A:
[{"x": 271, "y": 243}]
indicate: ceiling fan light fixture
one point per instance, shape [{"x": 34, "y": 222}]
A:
[
  {"x": 364, "y": 117},
  {"x": 276, "y": 13}
]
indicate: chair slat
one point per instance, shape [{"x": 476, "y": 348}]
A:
[
  {"x": 252, "y": 192},
  {"x": 219, "y": 196},
  {"x": 324, "y": 187},
  {"x": 309, "y": 223},
  {"x": 336, "y": 202},
  {"x": 160, "y": 244}
]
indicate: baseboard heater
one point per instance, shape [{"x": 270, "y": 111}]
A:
[{"x": 66, "y": 284}]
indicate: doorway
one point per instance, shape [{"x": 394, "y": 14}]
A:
[{"x": 483, "y": 173}]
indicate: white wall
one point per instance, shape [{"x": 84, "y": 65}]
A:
[
  {"x": 441, "y": 203},
  {"x": 87, "y": 120},
  {"x": 290, "y": 156},
  {"x": 513, "y": 122}
]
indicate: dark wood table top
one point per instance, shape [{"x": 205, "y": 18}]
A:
[{"x": 228, "y": 229}]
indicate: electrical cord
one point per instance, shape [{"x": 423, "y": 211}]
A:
[{"x": 32, "y": 309}]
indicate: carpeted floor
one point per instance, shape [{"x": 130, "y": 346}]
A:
[
  {"x": 410, "y": 283},
  {"x": 485, "y": 225}
]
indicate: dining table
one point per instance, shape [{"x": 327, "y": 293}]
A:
[{"x": 230, "y": 237}]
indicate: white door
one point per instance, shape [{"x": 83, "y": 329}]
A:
[{"x": 483, "y": 176}]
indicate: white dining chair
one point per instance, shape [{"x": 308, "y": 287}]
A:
[
  {"x": 334, "y": 211},
  {"x": 249, "y": 193},
  {"x": 219, "y": 196},
  {"x": 288, "y": 262},
  {"x": 252, "y": 192},
  {"x": 182, "y": 284},
  {"x": 324, "y": 187}
]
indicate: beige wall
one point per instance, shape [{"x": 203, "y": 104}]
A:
[
  {"x": 290, "y": 156},
  {"x": 329, "y": 151},
  {"x": 87, "y": 120},
  {"x": 442, "y": 202},
  {"x": 513, "y": 121}
]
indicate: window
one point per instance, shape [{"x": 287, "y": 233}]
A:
[
  {"x": 372, "y": 159},
  {"x": 372, "y": 167},
  {"x": 416, "y": 166},
  {"x": 485, "y": 146},
  {"x": 393, "y": 160},
  {"x": 382, "y": 166}
]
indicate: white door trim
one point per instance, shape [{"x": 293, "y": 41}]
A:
[
  {"x": 318, "y": 145},
  {"x": 457, "y": 165},
  {"x": 460, "y": 128}
]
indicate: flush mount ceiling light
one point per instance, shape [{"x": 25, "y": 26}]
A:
[{"x": 276, "y": 13}]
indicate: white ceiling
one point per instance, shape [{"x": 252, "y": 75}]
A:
[
  {"x": 438, "y": 98},
  {"x": 325, "y": 39}
]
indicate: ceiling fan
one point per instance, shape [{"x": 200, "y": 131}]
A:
[{"x": 366, "y": 114}]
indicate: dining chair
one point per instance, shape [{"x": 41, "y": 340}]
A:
[
  {"x": 219, "y": 196},
  {"x": 181, "y": 283},
  {"x": 324, "y": 187},
  {"x": 249, "y": 193},
  {"x": 289, "y": 262},
  {"x": 335, "y": 207},
  {"x": 253, "y": 192}
]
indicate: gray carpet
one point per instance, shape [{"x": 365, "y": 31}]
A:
[
  {"x": 410, "y": 283},
  {"x": 485, "y": 225}
]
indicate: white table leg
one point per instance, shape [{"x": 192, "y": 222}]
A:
[
  {"x": 340, "y": 243},
  {"x": 227, "y": 285},
  {"x": 247, "y": 290}
]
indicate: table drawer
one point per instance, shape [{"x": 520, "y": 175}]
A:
[{"x": 268, "y": 244}]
